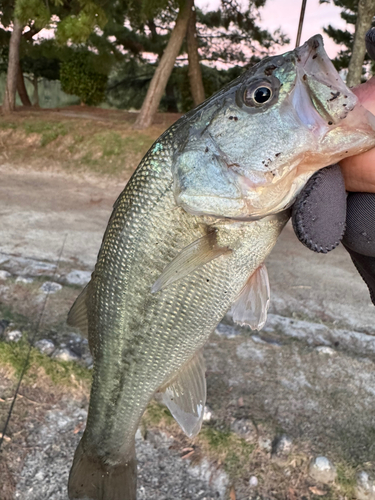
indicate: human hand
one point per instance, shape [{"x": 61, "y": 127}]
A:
[
  {"x": 322, "y": 215},
  {"x": 359, "y": 171}
]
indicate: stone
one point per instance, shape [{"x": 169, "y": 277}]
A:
[
  {"x": 227, "y": 331},
  {"x": 50, "y": 287},
  {"x": 13, "y": 335},
  {"x": 244, "y": 428},
  {"x": 249, "y": 350},
  {"x": 207, "y": 414},
  {"x": 4, "y": 275},
  {"x": 282, "y": 445},
  {"x": 65, "y": 354},
  {"x": 253, "y": 482},
  {"x": 24, "y": 279},
  {"x": 45, "y": 346},
  {"x": 365, "y": 488},
  {"x": 3, "y": 325},
  {"x": 75, "y": 344},
  {"x": 324, "y": 349},
  {"x": 266, "y": 341},
  {"x": 265, "y": 444},
  {"x": 322, "y": 470},
  {"x": 89, "y": 362},
  {"x": 77, "y": 277},
  {"x": 38, "y": 268},
  {"x": 139, "y": 435},
  {"x": 209, "y": 473}
]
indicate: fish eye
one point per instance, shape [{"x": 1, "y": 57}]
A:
[{"x": 258, "y": 96}]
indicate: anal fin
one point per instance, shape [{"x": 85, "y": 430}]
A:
[
  {"x": 185, "y": 396},
  {"x": 252, "y": 304},
  {"x": 190, "y": 258},
  {"x": 77, "y": 315}
]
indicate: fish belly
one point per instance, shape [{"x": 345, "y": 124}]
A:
[{"x": 140, "y": 339}]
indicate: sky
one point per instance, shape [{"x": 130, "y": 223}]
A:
[{"x": 285, "y": 14}]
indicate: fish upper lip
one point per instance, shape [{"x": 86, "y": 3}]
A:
[{"x": 313, "y": 44}]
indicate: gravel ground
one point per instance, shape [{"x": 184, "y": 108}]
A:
[
  {"x": 162, "y": 473},
  {"x": 309, "y": 375}
]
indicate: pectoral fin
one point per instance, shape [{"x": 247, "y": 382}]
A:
[
  {"x": 77, "y": 316},
  {"x": 190, "y": 258},
  {"x": 252, "y": 304},
  {"x": 185, "y": 397}
]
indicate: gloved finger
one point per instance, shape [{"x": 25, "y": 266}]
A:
[
  {"x": 319, "y": 212},
  {"x": 360, "y": 224},
  {"x": 366, "y": 267},
  {"x": 359, "y": 238}
]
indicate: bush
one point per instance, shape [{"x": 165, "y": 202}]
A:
[{"x": 79, "y": 77}]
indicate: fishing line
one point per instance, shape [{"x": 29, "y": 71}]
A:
[
  {"x": 39, "y": 322},
  {"x": 300, "y": 24}
]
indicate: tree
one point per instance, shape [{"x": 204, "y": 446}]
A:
[
  {"x": 354, "y": 52},
  {"x": 164, "y": 69},
  {"x": 230, "y": 35},
  {"x": 195, "y": 73},
  {"x": 79, "y": 76},
  {"x": 41, "y": 60},
  {"x": 13, "y": 66},
  {"x": 365, "y": 15},
  {"x": 77, "y": 19}
]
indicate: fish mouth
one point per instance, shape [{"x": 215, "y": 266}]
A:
[
  {"x": 330, "y": 112},
  {"x": 320, "y": 97}
]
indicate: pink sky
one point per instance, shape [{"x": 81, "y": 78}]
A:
[{"x": 285, "y": 14}]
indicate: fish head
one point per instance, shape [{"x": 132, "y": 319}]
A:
[{"x": 247, "y": 151}]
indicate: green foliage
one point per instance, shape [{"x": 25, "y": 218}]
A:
[
  {"x": 79, "y": 77},
  {"x": 77, "y": 28},
  {"x": 42, "y": 60},
  {"x": 213, "y": 81},
  {"x": 36, "y": 10},
  {"x": 128, "y": 85}
]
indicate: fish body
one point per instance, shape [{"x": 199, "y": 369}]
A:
[{"x": 187, "y": 239}]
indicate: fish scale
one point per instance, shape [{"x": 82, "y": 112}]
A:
[
  {"x": 169, "y": 326},
  {"x": 187, "y": 239}
]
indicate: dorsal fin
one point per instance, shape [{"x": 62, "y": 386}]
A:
[
  {"x": 185, "y": 396},
  {"x": 252, "y": 304},
  {"x": 190, "y": 258},
  {"x": 77, "y": 315}
]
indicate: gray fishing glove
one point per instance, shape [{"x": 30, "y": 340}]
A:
[{"x": 323, "y": 215}]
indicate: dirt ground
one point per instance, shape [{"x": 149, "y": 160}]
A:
[{"x": 308, "y": 377}]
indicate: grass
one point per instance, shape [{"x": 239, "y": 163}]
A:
[
  {"x": 7, "y": 313},
  {"x": 228, "y": 449},
  {"x": 220, "y": 445},
  {"x": 48, "y": 131},
  {"x": 48, "y": 139},
  {"x": 65, "y": 373},
  {"x": 346, "y": 479}
]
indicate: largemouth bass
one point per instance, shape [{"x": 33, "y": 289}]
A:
[{"x": 187, "y": 240}]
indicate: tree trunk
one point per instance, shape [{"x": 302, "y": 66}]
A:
[
  {"x": 14, "y": 57},
  {"x": 21, "y": 88},
  {"x": 163, "y": 71},
  {"x": 36, "y": 93},
  {"x": 366, "y": 11},
  {"x": 195, "y": 73}
]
